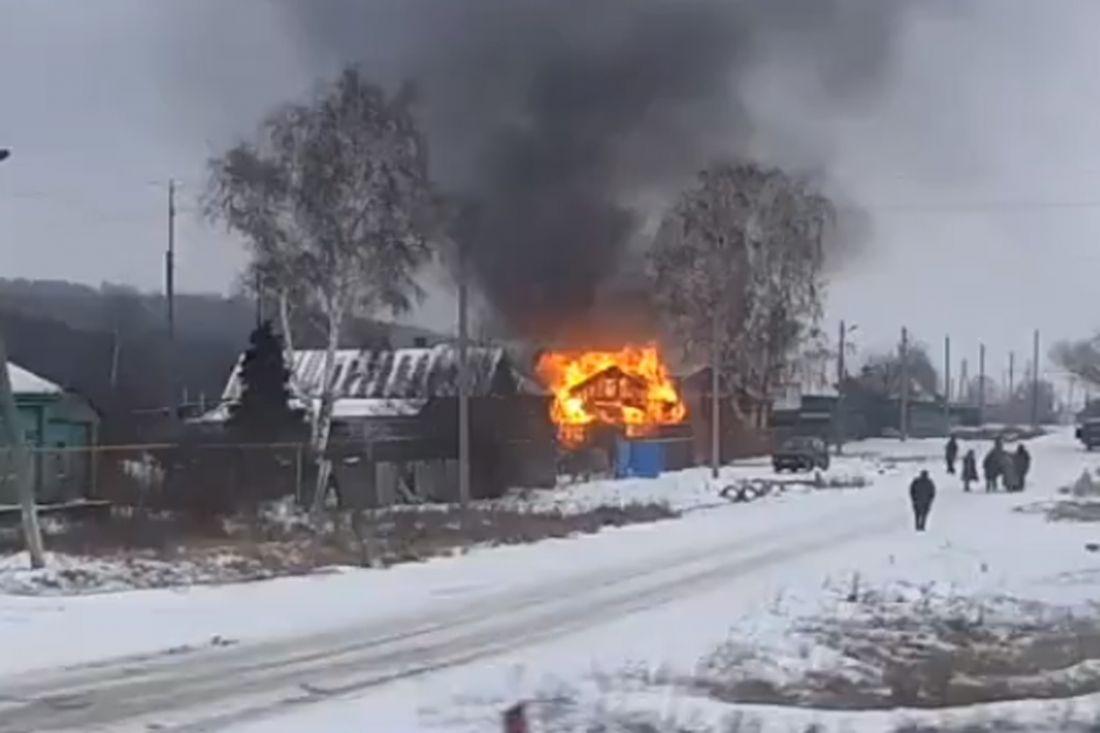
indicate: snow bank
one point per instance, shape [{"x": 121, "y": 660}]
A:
[
  {"x": 692, "y": 489},
  {"x": 1085, "y": 486}
]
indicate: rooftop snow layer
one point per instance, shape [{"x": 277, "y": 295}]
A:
[
  {"x": 417, "y": 373},
  {"x": 26, "y": 382}
]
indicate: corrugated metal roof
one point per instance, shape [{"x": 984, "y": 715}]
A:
[{"x": 417, "y": 373}]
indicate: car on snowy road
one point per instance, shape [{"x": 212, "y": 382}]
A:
[
  {"x": 1088, "y": 432},
  {"x": 801, "y": 454}
]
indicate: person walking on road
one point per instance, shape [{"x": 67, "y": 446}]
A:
[
  {"x": 921, "y": 492},
  {"x": 1022, "y": 461},
  {"x": 993, "y": 465},
  {"x": 970, "y": 469},
  {"x": 951, "y": 452},
  {"x": 991, "y": 469},
  {"x": 1010, "y": 478}
]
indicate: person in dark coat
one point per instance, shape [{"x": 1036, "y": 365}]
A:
[
  {"x": 970, "y": 469},
  {"x": 1010, "y": 479},
  {"x": 991, "y": 467},
  {"x": 921, "y": 492},
  {"x": 951, "y": 452},
  {"x": 1022, "y": 459}
]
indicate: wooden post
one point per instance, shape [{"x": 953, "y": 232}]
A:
[
  {"x": 840, "y": 370},
  {"x": 981, "y": 384},
  {"x": 93, "y": 464},
  {"x": 463, "y": 390},
  {"x": 715, "y": 402},
  {"x": 17, "y": 448},
  {"x": 1035, "y": 382},
  {"x": 904, "y": 417},
  {"x": 947, "y": 381},
  {"x": 1011, "y": 380}
]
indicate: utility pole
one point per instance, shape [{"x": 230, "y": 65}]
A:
[
  {"x": 947, "y": 381},
  {"x": 170, "y": 261},
  {"x": 18, "y": 454},
  {"x": 981, "y": 384},
  {"x": 840, "y": 371},
  {"x": 15, "y": 443},
  {"x": 1035, "y": 381},
  {"x": 904, "y": 383},
  {"x": 715, "y": 402},
  {"x": 463, "y": 386},
  {"x": 1011, "y": 376},
  {"x": 170, "y": 298}
]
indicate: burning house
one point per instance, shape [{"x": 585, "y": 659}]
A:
[{"x": 623, "y": 402}]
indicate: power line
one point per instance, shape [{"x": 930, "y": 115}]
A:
[{"x": 968, "y": 207}]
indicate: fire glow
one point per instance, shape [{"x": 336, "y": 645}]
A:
[{"x": 629, "y": 388}]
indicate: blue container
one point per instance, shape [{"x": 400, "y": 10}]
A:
[{"x": 640, "y": 458}]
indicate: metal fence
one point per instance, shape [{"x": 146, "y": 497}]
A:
[
  {"x": 211, "y": 476},
  {"x": 221, "y": 476},
  {"x": 215, "y": 477}
]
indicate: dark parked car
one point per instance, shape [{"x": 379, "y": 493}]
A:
[
  {"x": 1088, "y": 433},
  {"x": 801, "y": 454}
]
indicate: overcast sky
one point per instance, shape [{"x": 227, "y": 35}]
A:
[{"x": 978, "y": 158}]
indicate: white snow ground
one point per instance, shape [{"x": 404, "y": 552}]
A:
[
  {"x": 188, "y": 616},
  {"x": 976, "y": 546}
]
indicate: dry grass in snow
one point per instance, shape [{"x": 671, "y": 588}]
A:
[
  {"x": 913, "y": 647},
  {"x": 903, "y": 659},
  {"x": 133, "y": 551}
]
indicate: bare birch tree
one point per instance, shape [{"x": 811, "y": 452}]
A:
[
  {"x": 335, "y": 205},
  {"x": 744, "y": 248}
]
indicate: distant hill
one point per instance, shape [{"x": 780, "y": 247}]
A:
[{"x": 111, "y": 343}]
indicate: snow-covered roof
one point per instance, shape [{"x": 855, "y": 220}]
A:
[
  {"x": 386, "y": 383},
  {"x": 418, "y": 373},
  {"x": 344, "y": 409},
  {"x": 27, "y": 382}
]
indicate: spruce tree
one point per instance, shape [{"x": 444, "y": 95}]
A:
[{"x": 263, "y": 411}]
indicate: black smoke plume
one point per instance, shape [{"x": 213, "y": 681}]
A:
[{"x": 560, "y": 116}]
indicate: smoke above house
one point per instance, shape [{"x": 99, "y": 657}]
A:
[{"x": 569, "y": 122}]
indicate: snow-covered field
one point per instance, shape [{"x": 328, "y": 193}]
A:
[{"x": 653, "y": 606}]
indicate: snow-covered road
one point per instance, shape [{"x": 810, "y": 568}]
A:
[
  {"x": 215, "y": 686},
  {"x": 379, "y": 647}
]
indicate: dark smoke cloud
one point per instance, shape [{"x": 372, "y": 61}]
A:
[{"x": 559, "y": 116}]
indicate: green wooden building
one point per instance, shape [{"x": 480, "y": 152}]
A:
[{"x": 60, "y": 428}]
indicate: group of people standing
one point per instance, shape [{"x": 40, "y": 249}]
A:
[
  {"x": 1011, "y": 468},
  {"x": 998, "y": 465}
]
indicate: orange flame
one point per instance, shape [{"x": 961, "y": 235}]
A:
[{"x": 630, "y": 388}]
